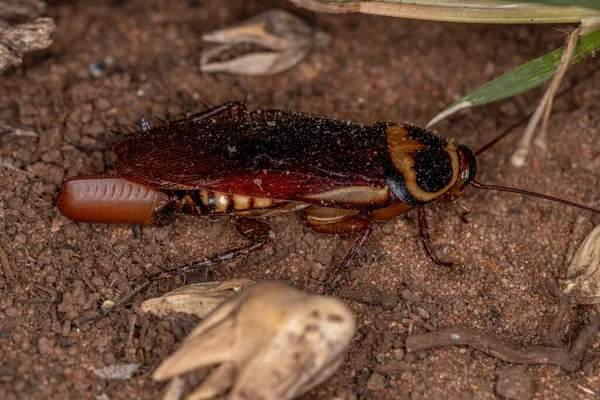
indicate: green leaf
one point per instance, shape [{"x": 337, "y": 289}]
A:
[{"x": 523, "y": 78}]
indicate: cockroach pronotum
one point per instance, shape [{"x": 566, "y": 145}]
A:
[{"x": 228, "y": 161}]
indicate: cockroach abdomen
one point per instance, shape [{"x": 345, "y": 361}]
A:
[{"x": 109, "y": 199}]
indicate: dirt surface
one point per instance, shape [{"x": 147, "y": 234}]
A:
[{"x": 373, "y": 69}]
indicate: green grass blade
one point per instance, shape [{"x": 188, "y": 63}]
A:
[{"x": 523, "y": 78}]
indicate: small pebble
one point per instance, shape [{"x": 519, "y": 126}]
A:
[
  {"x": 515, "y": 383},
  {"x": 12, "y": 312},
  {"x": 410, "y": 357},
  {"x": 398, "y": 354},
  {"x": 45, "y": 345},
  {"x": 376, "y": 381}
]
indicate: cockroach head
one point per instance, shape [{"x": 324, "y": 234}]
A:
[{"x": 467, "y": 171}]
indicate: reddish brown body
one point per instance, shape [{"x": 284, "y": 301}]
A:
[
  {"x": 232, "y": 162},
  {"x": 250, "y": 165}
]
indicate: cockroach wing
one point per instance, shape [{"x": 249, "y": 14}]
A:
[{"x": 277, "y": 154}]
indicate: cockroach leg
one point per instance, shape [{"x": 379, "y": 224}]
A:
[
  {"x": 466, "y": 211},
  {"x": 234, "y": 108},
  {"x": 343, "y": 267},
  {"x": 424, "y": 232},
  {"x": 145, "y": 124},
  {"x": 137, "y": 231},
  {"x": 258, "y": 232}
]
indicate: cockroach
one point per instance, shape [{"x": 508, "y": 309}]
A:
[{"x": 228, "y": 161}]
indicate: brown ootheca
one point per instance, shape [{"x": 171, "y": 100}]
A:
[{"x": 228, "y": 161}]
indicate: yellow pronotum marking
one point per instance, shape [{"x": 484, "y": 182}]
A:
[{"x": 400, "y": 146}]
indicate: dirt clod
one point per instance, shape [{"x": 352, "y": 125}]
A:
[
  {"x": 515, "y": 383},
  {"x": 376, "y": 382}
]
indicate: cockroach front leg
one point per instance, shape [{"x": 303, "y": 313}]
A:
[
  {"x": 338, "y": 273},
  {"x": 259, "y": 233},
  {"x": 424, "y": 232},
  {"x": 466, "y": 211}
]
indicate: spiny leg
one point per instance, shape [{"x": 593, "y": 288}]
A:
[
  {"x": 424, "y": 232},
  {"x": 145, "y": 124},
  {"x": 338, "y": 273},
  {"x": 466, "y": 211},
  {"x": 339, "y": 221},
  {"x": 258, "y": 232},
  {"x": 234, "y": 108}
]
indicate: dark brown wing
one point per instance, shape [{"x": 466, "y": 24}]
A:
[{"x": 269, "y": 153}]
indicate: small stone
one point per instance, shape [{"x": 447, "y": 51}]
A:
[
  {"x": 12, "y": 312},
  {"x": 398, "y": 354},
  {"x": 515, "y": 383},
  {"x": 102, "y": 104},
  {"x": 588, "y": 368},
  {"x": 318, "y": 272},
  {"x": 410, "y": 357},
  {"x": 376, "y": 381},
  {"x": 45, "y": 345},
  {"x": 466, "y": 395},
  {"x": 66, "y": 328}
]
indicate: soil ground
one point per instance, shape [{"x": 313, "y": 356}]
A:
[{"x": 373, "y": 69}]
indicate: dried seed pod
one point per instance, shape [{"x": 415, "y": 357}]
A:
[
  {"x": 582, "y": 281},
  {"x": 271, "y": 341},
  {"x": 199, "y": 299},
  {"x": 264, "y": 45}
]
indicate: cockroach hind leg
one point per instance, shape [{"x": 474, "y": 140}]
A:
[
  {"x": 258, "y": 232},
  {"x": 254, "y": 230}
]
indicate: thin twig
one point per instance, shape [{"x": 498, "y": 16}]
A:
[
  {"x": 545, "y": 106},
  {"x": 569, "y": 360},
  {"x": 557, "y": 329},
  {"x": 8, "y": 271},
  {"x": 493, "y": 346}
]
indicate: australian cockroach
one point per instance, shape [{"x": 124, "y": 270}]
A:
[{"x": 228, "y": 161}]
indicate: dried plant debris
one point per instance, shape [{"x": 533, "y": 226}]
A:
[
  {"x": 21, "y": 10},
  {"x": 267, "y": 44},
  {"x": 271, "y": 342},
  {"x": 568, "y": 359},
  {"x": 199, "y": 299},
  {"x": 117, "y": 371},
  {"x": 582, "y": 280},
  {"x": 581, "y": 286},
  {"x": 19, "y": 39}
]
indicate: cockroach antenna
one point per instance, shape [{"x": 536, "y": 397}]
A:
[
  {"x": 479, "y": 185},
  {"x": 510, "y": 129}
]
